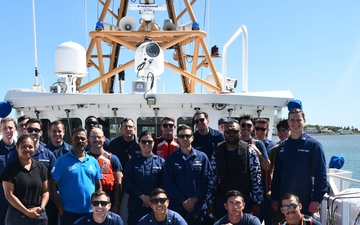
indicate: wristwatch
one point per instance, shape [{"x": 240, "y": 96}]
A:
[{"x": 42, "y": 208}]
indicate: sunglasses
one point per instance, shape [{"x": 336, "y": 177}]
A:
[
  {"x": 199, "y": 120},
  {"x": 283, "y": 131},
  {"x": 91, "y": 123},
  {"x": 156, "y": 201},
  {"x": 22, "y": 125},
  {"x": 166, "y": 125},
  {"x": 30, "y": 130},
  {"x": 232, "y": 131},
  {"x": 97, "y": 203},
  {"x": 248, "y": 125},
  {"x": 144, "y": 142},
  {"x": 287, "y": 207},
  {"x": 182, "y": 136},
  {"x": 260, "y": 128}
]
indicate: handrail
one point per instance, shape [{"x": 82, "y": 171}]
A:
[{"x": 242, "y": 29}]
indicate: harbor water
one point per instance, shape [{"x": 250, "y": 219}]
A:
[{"x": 346, "y": 145}]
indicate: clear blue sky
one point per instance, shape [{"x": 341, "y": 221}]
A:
[{"x": 309, "y": 47}]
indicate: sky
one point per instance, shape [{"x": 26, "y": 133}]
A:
[{"x": 311, "y": 48}]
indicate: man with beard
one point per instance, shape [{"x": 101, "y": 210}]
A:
[
  {"x": 7, "y": 146},
  {"x": 75, "y": 176},
  {"x": 238, "y": 168}
]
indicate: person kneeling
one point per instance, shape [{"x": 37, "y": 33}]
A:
[
  {"x": 100, "y": 204},
  {"x": 161, "y": 214},
  {"x": 235, "y": 205},
  {"x": 290, "y": 207}
]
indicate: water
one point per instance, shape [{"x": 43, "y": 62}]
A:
[{"x": 346, "y": 145}]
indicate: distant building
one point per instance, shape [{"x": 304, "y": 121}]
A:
[{"x": 311, "y": 130}]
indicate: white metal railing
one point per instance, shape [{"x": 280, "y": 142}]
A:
[
  {"x": 241, "y": 30},
  {"x": 342, "y": 205}
]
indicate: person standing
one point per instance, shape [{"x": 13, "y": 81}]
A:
[
  {"x": 25, "y": 183},
  {"x": 166, "y": 144},
  {"x": 283, "y": 130},
  {"x": 290, "y": 207},
  {"x": 161, "y": 215},
  {"x": 300, "y": 167},
  {"x": 21, "y": 121},
  {"x": 235, "y": 205},
  {"x": 186, "y": 178},
  {"x": 283, "y": 134},
  {"x": 124, "y": 147},
  {"x": 221, "y": 123},
  {"x": 206, "y": 139},
  {"x": 261, "y": 133},
  {"x": 42, "y": 154},
  {"x": 75, "y": 176},
  {"x": 110, "y": 166},
  {"x": 90, "y": 123},
  {"x": 57, "y": 144},
  {"x": 7, "y": 146},
  {"x": 246, "y": 130},
  {"x": 34, "y": 128},
  {"x": 142, "y": 174},
  {"x": 100, "y": 205},
  {"x": 238, "y": 168}
]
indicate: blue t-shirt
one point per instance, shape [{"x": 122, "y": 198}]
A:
[
  {"x": 247, "y": 219},
  {"x": 111, "y": 219},
  {"x": 172, "y": 218},
  {"x": 76, "y": 181}
]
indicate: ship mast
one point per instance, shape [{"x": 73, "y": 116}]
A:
[{"x": 173, "y": 39}]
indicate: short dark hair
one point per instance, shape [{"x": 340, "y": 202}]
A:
[
  {"x": 289, "y": 195},
  {"x": 22, "y": 138},
  {"x": 201, "y": 112},
  {"x": 98, "y": 193},
  {"x": 146, "y": 133},
  {"x": 91, "y": 117},
  {"x": 77, "y": 130},
  {"x": 233, "y": 193},
  {"x": 22, "y": 118},
  {"x": 282, "y": 124},
  {"x": 183, "y": 127},
  {"x": 157, "y": 191},
  {"x": 126, "y": 120},
  {"x": 35, "y": 120},
  {"x": 57, "y": 122},
  {"x": 245, "y": 117}
]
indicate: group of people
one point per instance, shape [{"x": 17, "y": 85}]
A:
[{"x": 230, "y": 175}]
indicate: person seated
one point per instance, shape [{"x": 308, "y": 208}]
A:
[
  {"x": 290, "y": 207},
  {"x": 159, "y": 203},
  {"x": 100, "y": 204},
  {"x": 235, "y": 205}
]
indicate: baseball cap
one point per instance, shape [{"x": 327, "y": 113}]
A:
[
  {"x": 336, "y": 161},
  {"x": 294, "y": 104}
]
